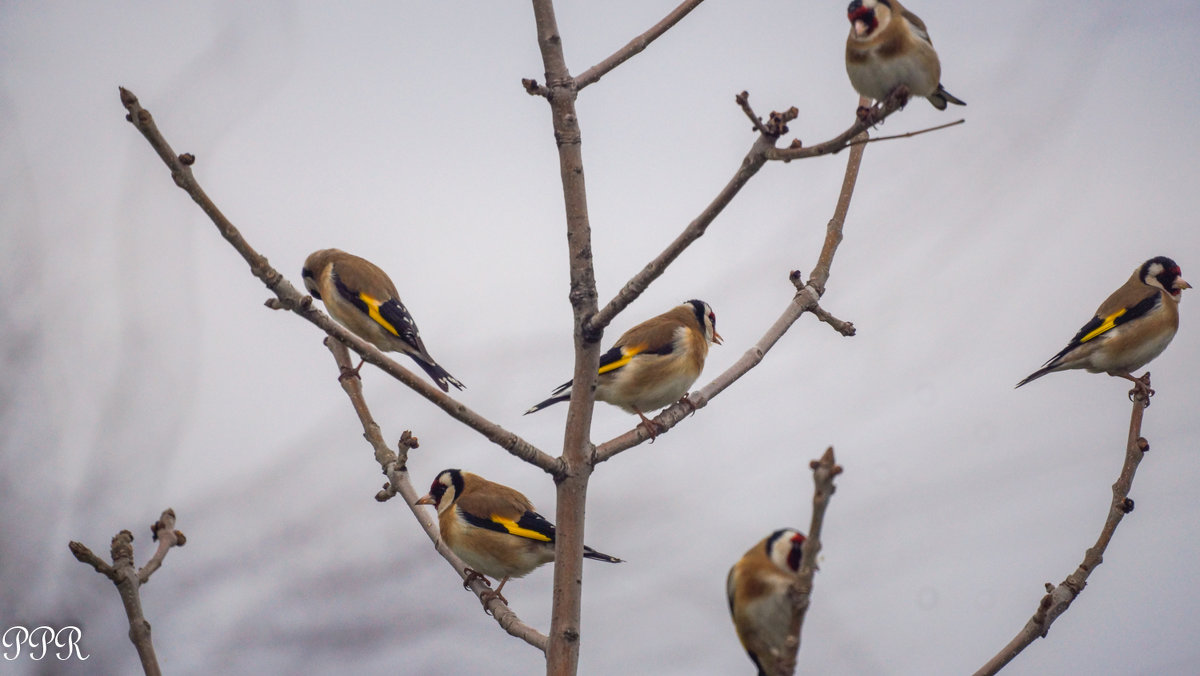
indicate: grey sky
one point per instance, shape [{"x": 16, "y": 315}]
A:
[{"x": 142, "y": 371}]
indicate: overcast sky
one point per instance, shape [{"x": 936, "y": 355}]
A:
[{"x": 141, "y": 370}]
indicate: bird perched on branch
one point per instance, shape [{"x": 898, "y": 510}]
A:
[
  {"x": 888, "y": 47},
  {"x": 653, "y": 364},
  {"x": 1132, "y": 327},
  {"x": 493, "y": 528},
  {"x": 362, "y": 297},
  {"x": 758, "y": 588}
]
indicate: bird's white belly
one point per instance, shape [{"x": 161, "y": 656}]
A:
[
  {"x": 646, "y": 391},
  {"x": 1132, "y": 358},
  {"x": 876, "y": 78}
]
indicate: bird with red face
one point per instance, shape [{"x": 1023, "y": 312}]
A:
[
  {"x": 889, "y": 46},
  {"x": 759, "y": 602}
]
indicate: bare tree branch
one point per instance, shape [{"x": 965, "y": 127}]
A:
[
  {"x": 635, "y": 46},
  {"x": 824, "y": 471},
  {"x": 911, "y": 134},
  {"x": 762, "y": 150},
  {"x": 880, "y": 113},
  {"x": 163, "y": 532},
  {"x": 129, "y": 580},
  {"x": 843, "y": 327},
  {"x": 393, "y": 465},
  {"x": 290, "y": 299},
  {"x": 1058, "y": 598},
  {"x": 562, "y": 655},
  {"x": 751, "y": 163},
  {"x": 805, "y": 300},
  {"x": 743, "y": 100}
]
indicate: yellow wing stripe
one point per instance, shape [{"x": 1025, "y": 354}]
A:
[
  {"x": 627, "y": 353},
  {"x": 1109, "y": 322},
  {"x": 512, "y": 527},
  {"x": 373, "y": 311}
]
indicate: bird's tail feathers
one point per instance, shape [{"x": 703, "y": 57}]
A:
[
  {"x": 941, "y": 97},
  {"x": 439, "y": 375},
  {"x": 558, "y": 395},
  {"x": 589, "y": 553},
  {"x": 1037, "y": 374},
  {"x": 548, "y": 402}
]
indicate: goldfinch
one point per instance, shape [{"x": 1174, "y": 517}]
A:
[
  {"x": 653, "y": 364},
  {"x": 493, "y": 528},
  {"x": 889, "y": 46},
  {"x": 362, "y": 297},
  {"x": 1132, "y": 327},
  {"x": 759, "y": 602}
]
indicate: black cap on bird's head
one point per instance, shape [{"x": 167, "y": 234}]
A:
[
  {"x": 1165, "y": 272},
  {"x": 446, "y": 479},
  {"x": 707, "y": 319}
]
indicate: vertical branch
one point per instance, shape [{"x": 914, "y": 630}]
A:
[
  {"x": 1058, "y": 598},
  {"x": 563, "y": 655},
  {"x": 824, "y": 470},
  {"x": 833, "y": 231}
]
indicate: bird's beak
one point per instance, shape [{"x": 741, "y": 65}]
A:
[
  {"x": 427, "y": 500},
  {"x": 1181, "y": 284},
  {"x": 717, "y": 337}
]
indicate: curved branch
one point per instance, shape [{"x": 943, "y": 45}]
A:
[
  {"x": 803, "y": 301},
  {"x": 290, "y": 298},
  {"x": 1058, "y": 598},
  {"x": 636, "y": 45},
  {"x": 393, "y": 465}
]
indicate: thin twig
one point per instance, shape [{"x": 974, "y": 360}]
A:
[
  {"x": 393, "y": 466},
  {"x": 1058, "y": 598},
  {"x": 803, "y": 301},
  {"x": 635, "y": 45},
  {"x": 843, "y": 327},
  {"x": 743, "y": 100},
  {"x": 163, "y": 532},
  {"x": 129, "y": 580},
  {"x": 910, "y": 134},
  {"x": 289, "y": 298}
]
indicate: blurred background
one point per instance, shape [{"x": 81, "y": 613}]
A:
[{"x": 140, "y": 369}]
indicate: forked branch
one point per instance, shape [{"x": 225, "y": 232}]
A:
[
  {"x": 1058, "y": 598},
  {"x": 129, "y": 579},
  {"x": 804, "y": 300},
  {"x": 824, "y": 471},
  {"x": 761, "y": 150}
]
